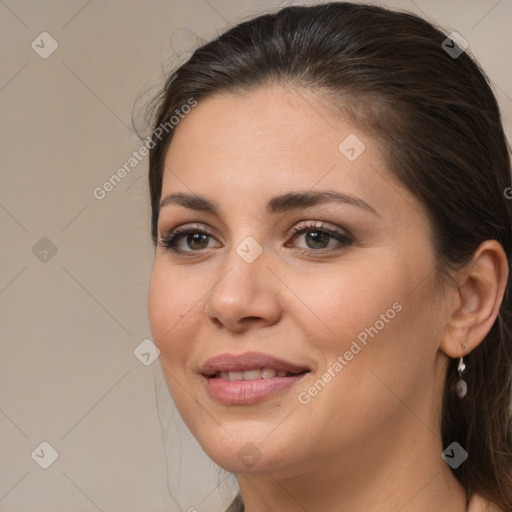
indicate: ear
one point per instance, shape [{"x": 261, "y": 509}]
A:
[{"x": 476, "y": 300}]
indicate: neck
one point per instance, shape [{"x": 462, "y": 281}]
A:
[{"x": 373, "y": 476}]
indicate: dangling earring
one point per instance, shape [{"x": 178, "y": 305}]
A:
[{"x": 461, "y": 386}]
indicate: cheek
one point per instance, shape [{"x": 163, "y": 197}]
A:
[
  {"x": 346, "y": 300},
  {"x": 374, "y": 316},
  {"x": 172, "y": 316},
  {"x": 172, "y": 313}
]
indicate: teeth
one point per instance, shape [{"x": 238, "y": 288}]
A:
[
  {"x": 256, "y": 374},
  {"x": 251, "y": 375},
  {"x": 268, "y": 373}
]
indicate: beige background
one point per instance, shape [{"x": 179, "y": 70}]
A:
[{"x": 70, "y": 321}]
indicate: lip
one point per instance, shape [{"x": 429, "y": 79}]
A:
[
  {"x": 244, "y": 392},
  {"x": 248, "y": 361}
]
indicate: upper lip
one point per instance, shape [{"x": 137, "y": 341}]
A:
[{"x": 248, "y": 361}]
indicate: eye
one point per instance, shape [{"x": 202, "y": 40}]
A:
[
  {"x": 195, "y": 237},
  {"x": 317, "y": 237}
]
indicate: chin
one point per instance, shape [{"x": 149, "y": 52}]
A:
[{"x": 248, "y": 449}]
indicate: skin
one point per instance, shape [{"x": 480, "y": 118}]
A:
[{"x": 370, "y": 440}]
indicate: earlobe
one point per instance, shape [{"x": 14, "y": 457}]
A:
[{"x": 482, "y": 284}]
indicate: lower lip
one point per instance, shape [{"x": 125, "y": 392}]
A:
[{"x": 242, "y": 392}]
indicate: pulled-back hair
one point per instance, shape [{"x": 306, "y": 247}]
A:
[{"x": 439, "y": 127}]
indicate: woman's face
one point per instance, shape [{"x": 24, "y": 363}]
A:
[{"x": 350, "y": 299}]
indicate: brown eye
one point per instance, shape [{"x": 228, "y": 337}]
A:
[
  {"x": 317, "y": 237},
  {"x": 195, "y": 239}
]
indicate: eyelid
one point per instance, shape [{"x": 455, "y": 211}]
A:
[
  {"x": 184, "y": 227},
  {"x": 292, "y": 231},
  {"x": 320, "y": 225}
]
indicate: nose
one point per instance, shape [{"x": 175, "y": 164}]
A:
[{"x": 245, "y": 295}]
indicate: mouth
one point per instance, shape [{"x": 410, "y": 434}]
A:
[
  {"x": 255, "y": 374},
  {"x": 250, "y": 366},
  {"x": 249, "y": 378},
  {"x": 249, "y": 391}
]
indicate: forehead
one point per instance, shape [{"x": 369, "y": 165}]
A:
[{"x": 269, "y": 141}]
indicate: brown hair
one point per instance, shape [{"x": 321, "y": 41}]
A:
[{"x": 440, "y": 129}]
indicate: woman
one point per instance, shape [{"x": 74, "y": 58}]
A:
[{"x": 330, "y": 291}]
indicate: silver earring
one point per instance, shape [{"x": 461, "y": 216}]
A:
[{"x": 461, "y": 386}]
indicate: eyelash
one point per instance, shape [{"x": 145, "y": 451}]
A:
[{"x": 170, "y": 241}]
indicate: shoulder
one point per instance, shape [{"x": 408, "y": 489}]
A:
[{"x": 478, "y": 503}]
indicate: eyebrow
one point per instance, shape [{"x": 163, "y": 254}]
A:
[{"x": 278, "y": 204}]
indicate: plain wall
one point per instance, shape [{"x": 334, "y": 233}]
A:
[{"x": 70, "y": 320}]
